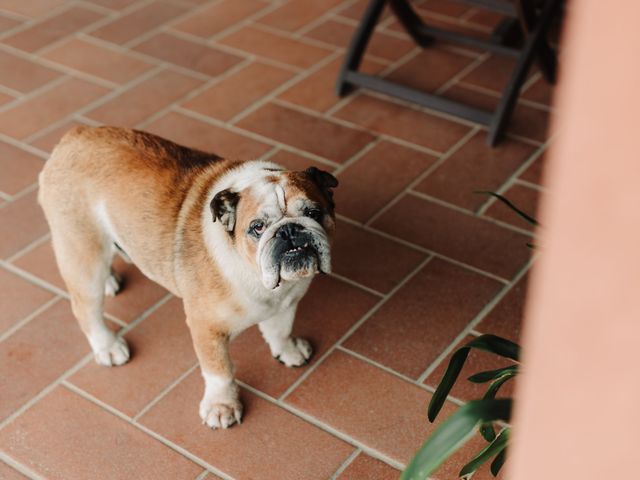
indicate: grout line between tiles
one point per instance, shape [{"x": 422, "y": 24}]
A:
[
  {"x": 266, "y": 157},
  {"x": 284, "y": 86},
  {"x": 11, "y": 92},
  {"x": 320, "y": 19},
  {"x": 470, "y": 213},
  {"x": 22, "y": 193},
  {"x": 442, "y": 158},
  {"x": 26, "y": 471},
  {"x": 31, "y": 21},
  {"x": 28, "y": 276},
  {"x": 532, "y": 186},
  {"x": 492, "y": 93},
  {"x": 145, "y": 57},
  {"x": 513, "y": 177},
  {"x": 77, "y": 366},
  {"x": 114, "y": 411},
  {"x": 46, "y": 390},
  {"x": 21, "y": 323},
  {"x": 423, "y": 249},
  {"x": 476, "y": 320},
  {"x": 348, "y": 98},
  {"x": 247, "y": 21},
  {"x": 183, "y": 451},
  {"x": 158, "y": 29},
  {"x": 27, "y": 148},
  {"x": 18, "y": 17},
  {"x": 323, "y": 426},
  {"x": 311, "y": 42},
  {"x": 346, "y": 463},
  {"x": 116, "y": 15},
  {"x": 396, "y": 374},
  {"x": 254, "y": 136},
  {"x": 347, "y": 280},
  {"x": 354, "y": 327},
  {"x": 93, "y": 26},
  {"x": 462, "y": 73},
  {"x": 130, "y": 326},
  {"x": 359, "y": 154},
  {"x": 165, "y": 391},
  {"x": 34, "y": 279},
  {"x": 195, "y": 92},
  {"x": 27, "y": 248},
  {"x": 354, "y": 126},
  {"x": 468, "y": 14},
  {"x": 336, "y": 17},
  {"x": 382, "y": 367},
  {"x": 25, "y": 97},
  {"x": 202, "y": 475},
  {"x": 114, "y": 93}
]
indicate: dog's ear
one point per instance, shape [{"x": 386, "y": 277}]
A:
[
  {"x": 223, "y": 208},
  {"x": 325, "y": 182}
]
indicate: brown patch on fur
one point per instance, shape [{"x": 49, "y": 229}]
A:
[
  {"x": 300, "y": 184},
  {"x": 247, "y": 206},
  {"x": 211, "y": 344},
  {"x": 153, "y": 192}
]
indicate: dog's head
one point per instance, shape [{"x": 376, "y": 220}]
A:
[{"x": 281, "y": 222}]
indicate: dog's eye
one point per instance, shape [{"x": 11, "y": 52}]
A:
[
  {"x": 258, "y": 227},
  {"x": 314, "y": 213}
]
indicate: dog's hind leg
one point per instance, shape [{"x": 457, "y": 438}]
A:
[{"x": 84, "y": 257}]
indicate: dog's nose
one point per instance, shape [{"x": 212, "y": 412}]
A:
[{"x": 290, "y": 232}]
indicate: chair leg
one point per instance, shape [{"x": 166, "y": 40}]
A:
[
  {"x": 546, "y": 55},
  {"x": 529, "y": 52},
  {"x": 410, "y": 21},
  {"x": 358, "y": 45}
]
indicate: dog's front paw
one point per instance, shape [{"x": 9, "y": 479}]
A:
[
  {"x": 295, "y": 353},
  {"x": 116, "y": 354},
  {"x": 220, "y": 415}
]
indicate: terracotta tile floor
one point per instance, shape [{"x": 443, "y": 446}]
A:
[{"x": 421, "y": 262}]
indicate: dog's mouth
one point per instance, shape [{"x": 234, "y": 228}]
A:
[
  {"x": 300, "y": 250},
  {"x": 293, "y": 259}
]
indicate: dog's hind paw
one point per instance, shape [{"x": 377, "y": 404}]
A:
[{"x": 113, "y": 284}]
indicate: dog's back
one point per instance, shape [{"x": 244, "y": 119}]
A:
[{"x": 95, "y": 172}]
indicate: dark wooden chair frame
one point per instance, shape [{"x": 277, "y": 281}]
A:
[{"x": 532, "y": 17}]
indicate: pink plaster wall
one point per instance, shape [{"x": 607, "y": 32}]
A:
[{"x": 578, "y": 416}]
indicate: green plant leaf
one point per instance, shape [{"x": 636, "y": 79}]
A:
[
  {"x": 486, "y": 453},
  {"x": 489, "y": 375},
  {"x": 495, "y": 386},
  {"x": 489, "y": 343},
  {"x": 508, "y": 203},
  {"x": 497, "y": 463},
  {"x": 487, "y": 431},
  {"x": 453, "y": 433}
]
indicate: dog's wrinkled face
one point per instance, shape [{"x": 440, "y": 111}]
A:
[{"x": 281, "y": 223}]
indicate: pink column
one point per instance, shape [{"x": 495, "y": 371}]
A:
[{"x": 578, "y": 414}]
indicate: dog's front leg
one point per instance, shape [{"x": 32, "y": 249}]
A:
[
  {"x": 220, "y": 406},
  {"x": 292, "y": 351}
]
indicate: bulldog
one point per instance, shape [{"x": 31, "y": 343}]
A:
[{"x": 238, "y": 241}]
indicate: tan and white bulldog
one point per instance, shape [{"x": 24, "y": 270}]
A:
[{"x": 239, "y": 242}]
